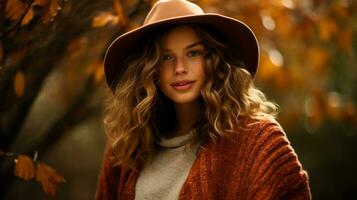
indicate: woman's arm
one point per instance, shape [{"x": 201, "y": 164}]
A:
[{"x": 278, "y": 174}]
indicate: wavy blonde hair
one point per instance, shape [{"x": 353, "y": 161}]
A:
[{"x": 138, "y": 112}]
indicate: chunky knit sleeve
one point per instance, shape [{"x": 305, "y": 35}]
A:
[
  {"x": 108, "y": 176},
  {"x": 277, "y": 172}
]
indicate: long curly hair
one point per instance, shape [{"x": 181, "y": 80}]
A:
[{"x": 137, "y": 112}]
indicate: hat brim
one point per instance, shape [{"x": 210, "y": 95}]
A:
[{"x": 241, "y": 38}]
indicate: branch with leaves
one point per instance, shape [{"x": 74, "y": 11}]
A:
[{"x": 29, "y": 168}]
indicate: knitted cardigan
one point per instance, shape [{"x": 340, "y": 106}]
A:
[{"x": 256, "y": 163}]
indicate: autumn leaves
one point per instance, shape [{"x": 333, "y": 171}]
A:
[
  {"x": 16, "y": 9},
  {"x": 117, "y": 17},
  {"x": 24, "y": 167},
  {"x": 22, "y": 13},
  {"x": 28, "y": 169}
]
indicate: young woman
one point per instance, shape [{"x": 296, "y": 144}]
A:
[{"x": 185, "y": 120}]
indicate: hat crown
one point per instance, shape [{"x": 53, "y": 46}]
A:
[{"x": 166, "y": 9}]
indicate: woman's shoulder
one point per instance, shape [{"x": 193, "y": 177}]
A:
[
  {"x": 255, "y": 137},
  {"x": 275, "y": 160},
  {"x": 257, "y": 127},
  {"x": 252, "y": 134}
]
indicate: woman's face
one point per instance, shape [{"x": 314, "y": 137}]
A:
[{"x": 181, "y": 73}]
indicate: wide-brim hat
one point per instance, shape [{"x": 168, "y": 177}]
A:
[{"x": 240, "y": 38}]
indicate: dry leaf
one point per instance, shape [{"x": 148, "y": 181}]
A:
[
  {"x": 28, "y": 17},
  {"x": 14, "y": 9},
  {"x": 96, "y": 70},
  {"x": 19, "y": 83},
  {"x": 99, "y": 73},
  {"x": 103, "y": 19},
  {"x": 40, "y": 2},
  {"x": 51, "y": 11},
  {"x": 54, "y": 8},
  {"x": 118, "y": 9},
  {"x": 49, "y": 178},
  {"x": 24, "y": 167}
]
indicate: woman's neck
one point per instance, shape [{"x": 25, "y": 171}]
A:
[{"x": 187, "y": 115}]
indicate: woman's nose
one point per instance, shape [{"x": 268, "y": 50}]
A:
[{"x": 180, "y": 66}]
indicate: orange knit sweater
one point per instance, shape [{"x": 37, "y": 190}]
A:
[{"x": 256, "y": 163}]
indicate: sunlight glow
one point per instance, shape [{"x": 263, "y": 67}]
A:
[
  {"x": 268, "y": 22},
  {"x": 276, "y": 57}
]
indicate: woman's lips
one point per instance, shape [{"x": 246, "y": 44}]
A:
[{"x": 183, "y": 85}]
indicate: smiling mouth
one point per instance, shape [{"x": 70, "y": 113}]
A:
[{"x": 184, "y": 85}]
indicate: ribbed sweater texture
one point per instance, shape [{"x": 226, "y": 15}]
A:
[{"x": 256, "y": 163}]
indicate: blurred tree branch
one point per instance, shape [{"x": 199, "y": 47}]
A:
[{"x": 37, "y": 61}]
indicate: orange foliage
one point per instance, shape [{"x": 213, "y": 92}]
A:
[
  {"x": 96, "y": 70},
  {"x": 103, "y": 19},
  {"x": 28, "y": 17},
  {"x": 14, "y": 9},
  {"x": 344, "y": 39},
  {"x": 99, "y": 73},
  {"x": 40, "y": 2},
  {"x": 118, "y": 9},
  {"x": 327, "y": 28},
  {"x": 341, "y": 10},
  {"x": 117, "y": 17},
  {"x": 19, "y": 83},
  {"x": 27, "y": 169},
  {"x": 318, "y": 58},
  {"x": 49, "y": 178},
  {"x": 268, "y": 70},
  {"x": 51, "y": 10},
  {"x": 24, "y": 167},
  {"x": 297, "y": 30}
]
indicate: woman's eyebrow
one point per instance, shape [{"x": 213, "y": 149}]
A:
[
  {"x": 189, "y": 46},
  {"x": 194, "y": 44}
]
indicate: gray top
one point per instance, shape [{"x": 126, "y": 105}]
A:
[{"x": 163, "y": 176}]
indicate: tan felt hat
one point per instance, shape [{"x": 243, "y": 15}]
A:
[{"x": 241, "y": 39}]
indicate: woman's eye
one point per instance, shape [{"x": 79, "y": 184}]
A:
[
  {"x": 166, "y": 57},
  {"x": 194, "y": 53}
]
